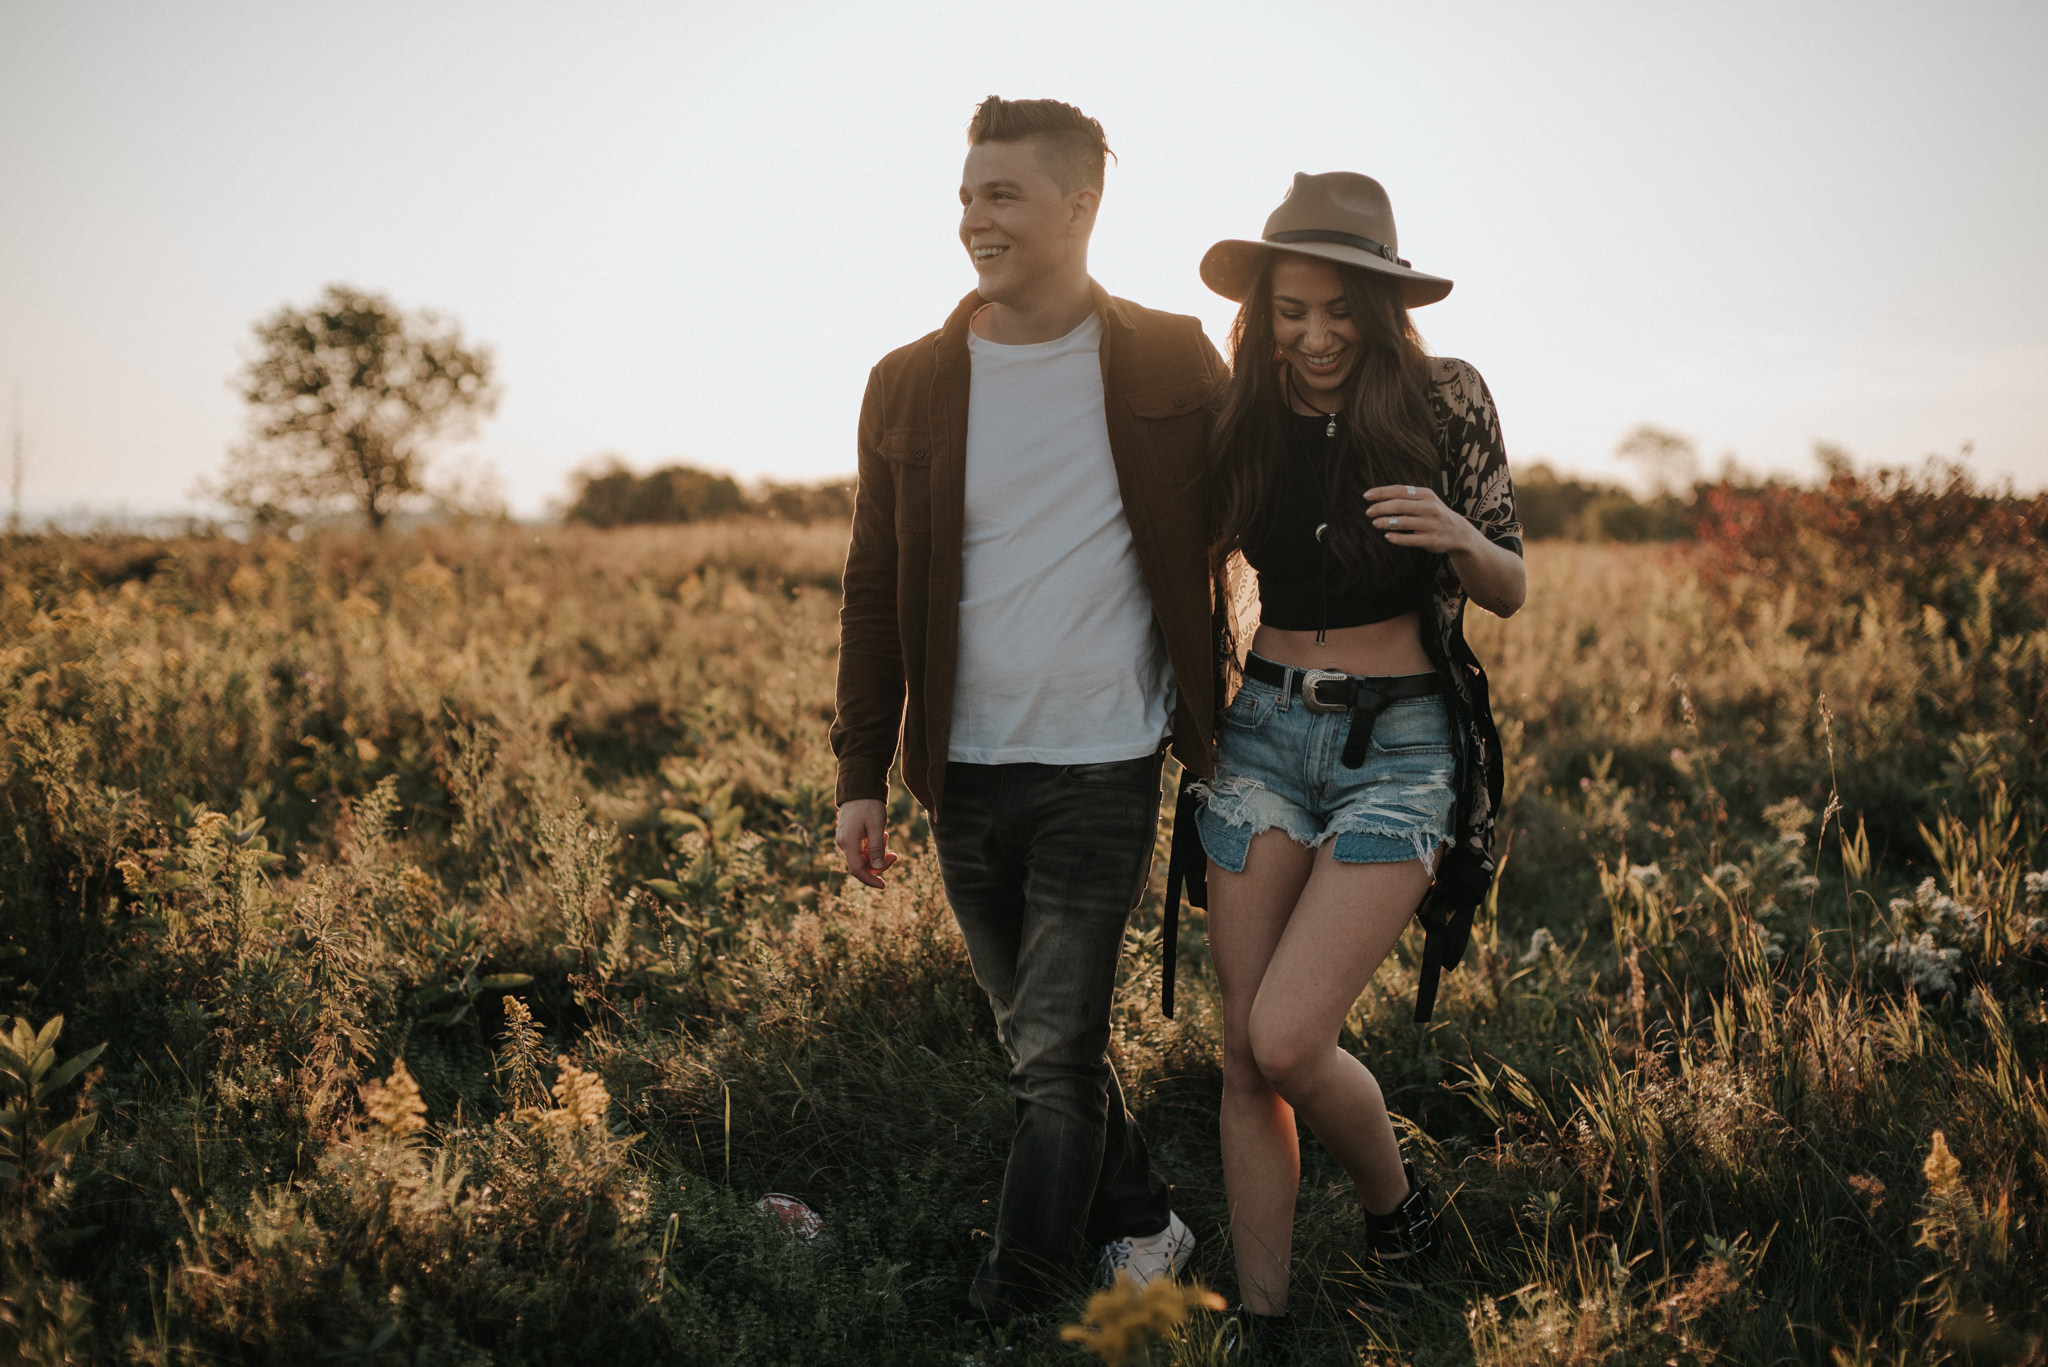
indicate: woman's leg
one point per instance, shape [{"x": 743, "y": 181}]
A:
[
  {"x": 1342, "y": 926},
  {"x": 1261, "y": 1159}
]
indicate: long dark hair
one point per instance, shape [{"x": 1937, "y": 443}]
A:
[{"x": 1389, "y": 433}]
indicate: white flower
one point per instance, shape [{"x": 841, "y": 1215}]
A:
[
  {"x": 1926, "y": 967},
  {"x": 1540, "y": 943},
  {"x": 1649, "y": 875}
]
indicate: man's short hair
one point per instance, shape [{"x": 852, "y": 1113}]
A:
[{"x": 1073, "y": 145}]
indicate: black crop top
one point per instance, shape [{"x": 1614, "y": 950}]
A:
[{"x": 1302, "y": 586}]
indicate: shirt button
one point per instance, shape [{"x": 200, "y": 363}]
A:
[{"x": 1180, "y": 403}]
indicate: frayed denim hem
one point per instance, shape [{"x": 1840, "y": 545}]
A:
[{"x": 1411, "y": 822}]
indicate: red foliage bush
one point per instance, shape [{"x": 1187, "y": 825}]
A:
[{"x": 1932, "y": 532}]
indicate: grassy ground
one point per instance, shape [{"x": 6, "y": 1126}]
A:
[{"x": 454, "y": 921}]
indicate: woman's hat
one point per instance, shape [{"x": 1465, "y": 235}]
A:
[{"x": 1339, "y": 216}]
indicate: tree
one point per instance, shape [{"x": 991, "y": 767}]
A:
[
  {"x": 613, "y": 496},
  {"x": 348, "y": 398},
  {"x": 1669, "y": 462}
]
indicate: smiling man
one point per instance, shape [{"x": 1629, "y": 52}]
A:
[{"x": 1027, "y": 606}]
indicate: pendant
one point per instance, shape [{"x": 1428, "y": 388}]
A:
[{"x": 1331, "y": 430}]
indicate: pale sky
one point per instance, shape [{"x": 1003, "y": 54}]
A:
[{"x": 687, "y": 230}]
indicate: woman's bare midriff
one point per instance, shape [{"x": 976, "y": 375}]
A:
[{"x": 1390, "y": 647}]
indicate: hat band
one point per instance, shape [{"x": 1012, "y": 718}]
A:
[{"x": 1364, "y": 244}]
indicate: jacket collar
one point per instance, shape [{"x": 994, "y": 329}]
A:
[{"x": 953, "y": 335}]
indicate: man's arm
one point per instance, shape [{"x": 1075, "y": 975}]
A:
[{"x": 869, "y": 710}]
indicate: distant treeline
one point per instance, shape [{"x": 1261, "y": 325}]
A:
[
  {"x": 1560, "y": 507},
  {"x": 614, "y": 496},
  {"x": 1930, "y": 510},
  {"x": 1551, "y": 505}
]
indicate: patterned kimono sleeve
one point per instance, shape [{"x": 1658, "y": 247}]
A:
[{"x": 1481, "y": 488}]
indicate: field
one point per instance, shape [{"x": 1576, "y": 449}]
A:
[{"x": 449, "y": 955}]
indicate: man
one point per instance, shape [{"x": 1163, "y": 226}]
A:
[{"x": 1027, "y": 601}]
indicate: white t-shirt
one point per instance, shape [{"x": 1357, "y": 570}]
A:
[{"x": 1061, "y": 660}]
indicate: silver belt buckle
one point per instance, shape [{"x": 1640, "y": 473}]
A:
[{"x": 1309, "y": 699}]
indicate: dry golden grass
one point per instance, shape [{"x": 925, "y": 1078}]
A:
[{"x": 458, "y": 917}]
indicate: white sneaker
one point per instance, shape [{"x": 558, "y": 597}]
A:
[{"x": 1147, "y": 1259}]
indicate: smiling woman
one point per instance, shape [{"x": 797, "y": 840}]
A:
[{"x": 1356, "y": 767}]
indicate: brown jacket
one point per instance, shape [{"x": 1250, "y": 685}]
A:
[{"x": 899, "y": 628}]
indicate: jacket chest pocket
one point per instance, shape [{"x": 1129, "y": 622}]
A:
[
  {"x": 909, "y": 453},
  {"x": 1169, "y": 422},
  {"x": 1181, "y": 399}
]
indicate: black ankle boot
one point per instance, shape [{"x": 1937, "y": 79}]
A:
[
  {"x": 1263, "y": 1339},
  {"x": 1396, "y": 1242}
]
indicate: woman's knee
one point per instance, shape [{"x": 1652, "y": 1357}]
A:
[
  {"x": 1241, "y": 1073},
  {"x": 1288, "y": 1053}
]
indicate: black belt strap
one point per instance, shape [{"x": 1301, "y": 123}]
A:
[
  {"x": 1186, "y": 866},
  {"x": 1363, "y": 696}
]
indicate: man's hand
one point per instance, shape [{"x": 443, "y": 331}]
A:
[{"x": 864, "y": 840}]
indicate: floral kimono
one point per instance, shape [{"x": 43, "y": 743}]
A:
[{"x": 1472, "y": 477}]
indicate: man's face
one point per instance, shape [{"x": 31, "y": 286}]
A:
[{"x": 1019, "y": 228}]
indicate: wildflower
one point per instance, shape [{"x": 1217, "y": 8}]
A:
[
  {"x": 1937, "y": 912},
  {"x": 1927, "y": 967},
  {"x": 1805, "y": 885},
  {"x": 430, "y": 576},
  {"x": 1541, "y": 942},
  {"x": 1789, "y": 819},
  {"x": 1120, "y": 1323},
  {"x": 1649, "y": 875},
  {"x": 395, "y": 1103},
  {"x": 1727, "y": 875},
  {"x": 582, "y": 1095},
  {"x": 580, "y": 1102},
  {"x": 1943, "y": 1172}
]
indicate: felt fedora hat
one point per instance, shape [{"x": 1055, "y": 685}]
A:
[{"x": 1339, "y": 216}]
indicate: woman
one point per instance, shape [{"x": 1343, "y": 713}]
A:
[{"x": 1358, "y": 750}]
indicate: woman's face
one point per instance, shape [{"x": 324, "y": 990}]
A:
[{"x": 1313, "y": 325}]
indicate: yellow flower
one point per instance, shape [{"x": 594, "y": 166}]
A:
[
  {"x": 430, "y": 575},
  {"x": 581, "y": 1101},
  {"x": 1944, "y": 1174},
  {"x": 395, "y": 1103},
  {"x": 1121, "y": 1322},
  {"x": 582, "y": 1095}
]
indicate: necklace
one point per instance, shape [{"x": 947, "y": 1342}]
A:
[{"x": 1295, "y": 391}]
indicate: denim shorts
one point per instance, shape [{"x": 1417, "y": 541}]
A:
[{"x": 1278, "y": 766}]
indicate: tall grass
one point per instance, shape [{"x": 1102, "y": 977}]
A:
[{"x": 458, "y": 919}]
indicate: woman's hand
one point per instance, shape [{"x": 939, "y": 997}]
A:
[{"x": 1411, "y": 515}]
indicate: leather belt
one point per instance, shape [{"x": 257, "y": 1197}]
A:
[{"x": 1364, "y": 696}]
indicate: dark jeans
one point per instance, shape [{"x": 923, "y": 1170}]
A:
[{"x": 1043, "y": 863}]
